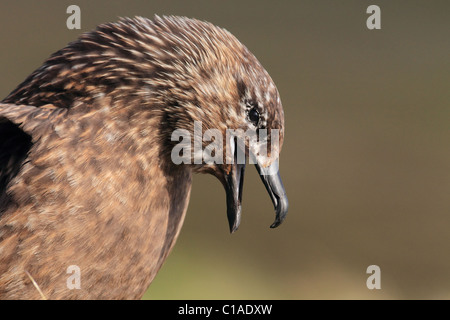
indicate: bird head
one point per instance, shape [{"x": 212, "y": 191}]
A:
[{"x": 223, "y": 110}]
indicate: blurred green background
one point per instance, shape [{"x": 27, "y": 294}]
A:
[{"x": 366, "y": 159}]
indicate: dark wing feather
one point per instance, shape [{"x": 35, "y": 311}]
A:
[{"x": 18, "y": 125}]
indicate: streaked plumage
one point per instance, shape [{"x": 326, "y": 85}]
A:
[{"x": 86, "y": 176}]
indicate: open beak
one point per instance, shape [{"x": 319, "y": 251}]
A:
[{"x": 234, "y": 181}]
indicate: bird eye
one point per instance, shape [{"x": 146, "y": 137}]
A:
[{"x": 253, "y": 116}]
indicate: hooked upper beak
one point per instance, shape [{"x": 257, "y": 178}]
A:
[
  {"x": 234, "y": 181},
  {"x": 272, "y": 180}
]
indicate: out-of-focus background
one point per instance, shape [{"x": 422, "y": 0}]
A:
[{"x": 366, "y": 159}]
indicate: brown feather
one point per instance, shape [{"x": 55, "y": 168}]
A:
[{"x": 86, "y": 177}]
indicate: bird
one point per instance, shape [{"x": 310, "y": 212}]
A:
[{"x": 87, "y": 177}]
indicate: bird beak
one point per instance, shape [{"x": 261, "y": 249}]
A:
[
  {"x": 271, "y": 178},
  {"x": 234, "y": 182}
]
